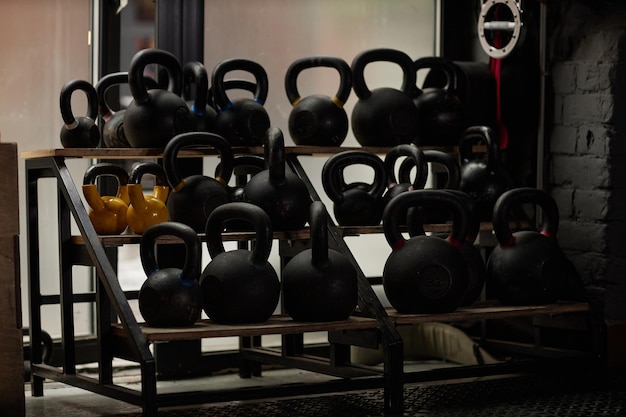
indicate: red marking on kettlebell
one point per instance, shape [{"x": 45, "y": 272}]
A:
[
  {"x": 398, "y": 245},
  {"x": 546, "y": 233},
  {"x": 508, "y": 243}
]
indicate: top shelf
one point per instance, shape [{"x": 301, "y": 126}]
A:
[{"x": 138, "y": 153}]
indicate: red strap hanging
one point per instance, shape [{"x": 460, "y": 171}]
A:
[{"x": 495, "y": 66}]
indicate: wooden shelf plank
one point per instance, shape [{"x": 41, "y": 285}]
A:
[
  {"x": 275, "y": 325},
  {"x": 489, "y": 311}
]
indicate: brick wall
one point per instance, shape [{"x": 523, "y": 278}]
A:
[{"x": 585, "y": 131}]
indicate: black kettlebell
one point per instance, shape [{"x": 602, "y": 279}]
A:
[
  {"x": 452, "y": 181},
  {"x": 170, "y": 297},
  {"x": 193, "y": 198},
  {"x": 277, "y": 190},
  {"x": 407, "y": 152},
  {"x": 155, "y": 116},
  {"x": 79, "y": 132},
  {"x": 196, "y": 95},
  {"x": 425, "y": 274},
  {"x": 244, "y": 121},
  {"x": 318, "y": 120},
  {"x": 484, "y": 178},
  {"x": 244, "y": 168},
  {"x": 441, "y": 117},
  {"x": 239, "y": 286},
  {"x": 357, "y": 203},
  {"x": 384, "y": 116},
  {"x": 528, "y": 267},
  {"x": 319, "y": 284},
  {"x": 476, "y": 269}
]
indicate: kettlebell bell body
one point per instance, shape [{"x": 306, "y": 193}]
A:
[
  {"x": 384, "y": 116},
  {"x": 192, "y": 199},
  {"x": 79, "y": 132},
  {"x": 319, "y": 284},
  {"x": 425, "y": 274},
  {"x": 277, "y": 190},
  {"x": 359, "y": 203},
  {"x": 170, "y": 297},
  {"x": 155, "y": 116},
  {"x": 145, "y": 211},
  {"x": 441, "y": 117},
  {"x": 476, "y": 269},
  {"x": 239, "y": 286},
  {"x": 107, "y": 213},
  {"x": 196, "y": 79},
  {"x": 527, "y": 267},
  {"x": 394, "y": 187},
  {"x": 483, "y": 178},
  {"x": 318, "y": 120},
  {"x": 244, "y": 121}
]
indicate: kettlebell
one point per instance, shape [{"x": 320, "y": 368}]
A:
[
  {"x": 277, "y": 190},
  {"x": 441, "y": 117},
  {"x": 196, "y": 80},
  {"x": 170, "y": 297},
  {"x": 357, "y": 203},
  {"x": 155, "y": 116},
  {"x": 82, "y": 131},
  {"x": 528, "y": 267},
  {"x": 244, "y": 121},
  {"x": 476, "y": 269},
  {"x": 318, "y": 120},
  {"x": 483, "y": 178},
  {"x": 244, "y": 168},
  {"x": 107, "y": 213},
  {"x": 425, "y": 274},
  {"x": 384, "y": 116},
  {"x": 319, "y": 284},
  {"x": 112, "y": 129},
  {"x": 239, "y": 286},
  {"x": 192, "y": 199},
  {"x": 452, "y": 179},
  {"x": 145, "y": 211},
  {"x": 393, "y": 155}
]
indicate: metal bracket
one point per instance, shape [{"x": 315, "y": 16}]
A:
[{"x": 515, "y": 26}]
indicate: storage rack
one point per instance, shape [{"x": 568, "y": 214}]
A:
[{"x": 120, "y": 335}]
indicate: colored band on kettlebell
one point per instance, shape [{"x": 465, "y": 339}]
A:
[
  {"x": 508, "y": 243},
  {"x": 337, "y": 102},
  {"x": 398, "y": 245},
  {"x": 180, "y": 186},
  {"x": 221, "y": 181},
  {"x": 391, "y": 185},
  {"x": 546, "y": 234},
  {"x": 185, "y": 282},
  {"x": 296, "y": 101},
  {"x": 197, "y": 112},
  {"x": 227, "y": 107},
  {"x": 72, "y": 125},
  {"x": 457, "y": 244}
]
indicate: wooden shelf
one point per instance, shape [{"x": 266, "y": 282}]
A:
[{"x": 275, "y": 325}]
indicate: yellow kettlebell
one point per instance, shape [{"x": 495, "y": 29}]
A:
[
  {"x": 147, "y": 210},
  {"x": 107, "y": 213}
]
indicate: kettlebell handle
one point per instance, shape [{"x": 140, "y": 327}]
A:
[
  {"x": 110, "y": 80},
  {"x": 475, "y": 134},
  {"x": 418, "y": 160},
  {"x": 441, "y": 64},
  {"x": 342, "y": 67},
  {"x": 275, "y": 155},
  {"x": 221, "y": 100},
  {"x": 136, "y": 79},
  {"x": 515, "y": 197},
  {"x": 240, "y": 211},
  {"x": 65, "y": 102},
  {"x": 332, "y": 172},
  {"x": 452, "y": 167},
  {"x": 232, "y": 84},
  {"x": 395, "y": 212},
  {"x": 361, "y": 60},
  {"x": 191, "y": 269},
  {"x": 104, "y": 168},
  {"x": 196, "y": 140},
  {"x": 194, "y": 72},
  {"x": 145, "y": 168},
  {"x": 318, "y": 223}
]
